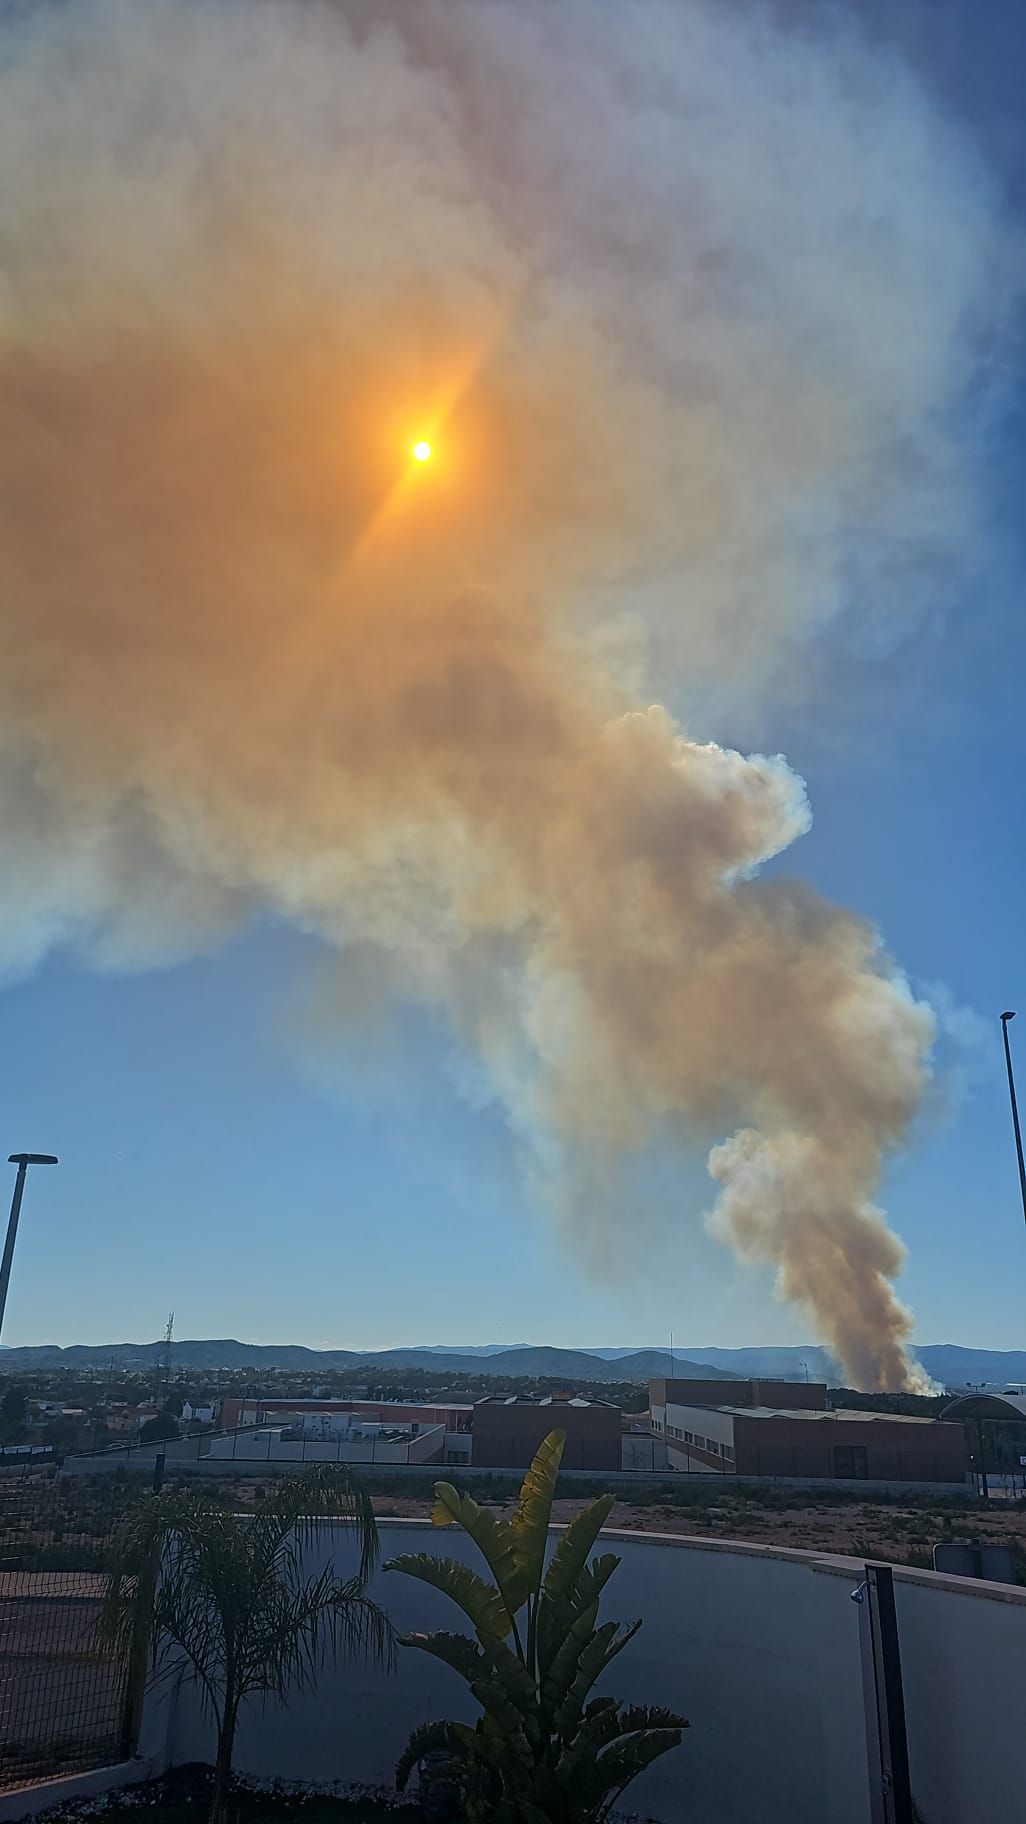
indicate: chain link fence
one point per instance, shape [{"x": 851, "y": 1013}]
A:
[{"x": 65, "y": 1706}]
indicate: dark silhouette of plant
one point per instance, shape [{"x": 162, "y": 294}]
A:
[
  {"x": 228, "y": 1594},
  {"x": 543, "y": 1751}
]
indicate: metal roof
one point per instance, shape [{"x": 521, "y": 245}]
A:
[
  {"x": 987, "y": 1406},
  {"x": 812, "y": 1414}
]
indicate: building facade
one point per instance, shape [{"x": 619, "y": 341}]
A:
[
  {"x": 803, "y": 1441},
  {"x": 507, "y": 1431}
]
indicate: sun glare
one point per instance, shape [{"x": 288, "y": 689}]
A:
[{"x": 422, "y": 450}]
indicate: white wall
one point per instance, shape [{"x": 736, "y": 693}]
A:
[
  {"x": 759, "y": 1651},
  {"x": 758, "y": 1647},
  {"x": 270, "y": 1447},
  {"x": 703, "y": 1421},
  {"x": 963, "y": 1664}
]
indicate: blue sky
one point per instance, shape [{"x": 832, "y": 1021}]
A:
[{"x": 210, "y": 1166}]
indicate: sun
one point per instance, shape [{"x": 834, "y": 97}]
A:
[{"x": 422, "y": 450}]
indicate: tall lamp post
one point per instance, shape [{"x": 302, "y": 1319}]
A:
[
  {"x": 22, "y": 1161},
  {"x": 1005, "y": 1017}
]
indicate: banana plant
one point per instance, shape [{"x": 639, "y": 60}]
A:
[{"x": 544, "y": 1750}]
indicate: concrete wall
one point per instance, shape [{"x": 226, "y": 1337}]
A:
[
  {"x": 270, "y": 1446},
  {"x": 758, "y": 1647},
  {"x": 760, "y": 1652}
]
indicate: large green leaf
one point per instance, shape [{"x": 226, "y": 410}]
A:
[
  {"x": 512, "y": 1672},
  {"x": 642, "y": 1717},
  {"x": 429, "y": 1738},
  {"x": 562, "y": 1666},
  {"x": 530, "y": 1523},
  {"x": 605, "y": 1644},
  {"x": 556, "y": 1615},
  {"x": 494, "y": 1538},
  {"x": 571, "y": 1554},
  {"x": 511, "y": 1723},
  {"x": 620, "y": 1763},
  {"x": 599, "y": 1724},
  {"x": 480, "y": 1601},
  {"x": 456, "y": 1650},
  {"x": 604, "y": 1723}
]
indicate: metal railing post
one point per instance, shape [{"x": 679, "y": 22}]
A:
[{"x": 890, "y": 1789}]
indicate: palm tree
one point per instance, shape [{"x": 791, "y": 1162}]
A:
[
  {"x": 543, "y": 1751},
  {"x": 226, "y": 1593}
]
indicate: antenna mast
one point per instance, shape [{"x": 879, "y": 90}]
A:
[{"x": 164, "y": 1360}]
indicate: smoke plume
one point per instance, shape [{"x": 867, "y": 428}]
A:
[{"x": 686, "y": 305}]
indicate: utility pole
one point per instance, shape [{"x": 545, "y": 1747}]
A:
[
  {"x": 1005, "y": 1017},
  {"x": 22, "y": 1161}
]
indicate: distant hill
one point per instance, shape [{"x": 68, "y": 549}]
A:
[
  {"x": 528, "y": 1360},
  {"x": 948, "y": 1363},
  {"x": 954, "y": 1366}
]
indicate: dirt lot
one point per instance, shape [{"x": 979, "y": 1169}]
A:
[{"x": 896, "y": 1533}]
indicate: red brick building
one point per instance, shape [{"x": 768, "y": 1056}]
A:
[{"x": 736, "y": 1434}]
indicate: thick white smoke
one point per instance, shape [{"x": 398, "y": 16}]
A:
[{"x": 687, "y": 305}]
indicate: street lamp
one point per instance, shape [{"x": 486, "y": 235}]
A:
[
  {"x": 22, "y": 1161},
  {"x": 1005, "y": 1017}
]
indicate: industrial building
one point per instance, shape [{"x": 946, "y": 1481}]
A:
[
  {"x": 507, "y": 1430},
  {"x": 737, "y": 1434}
]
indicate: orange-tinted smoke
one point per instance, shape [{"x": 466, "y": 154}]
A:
[{"x": 252, "y": 657}]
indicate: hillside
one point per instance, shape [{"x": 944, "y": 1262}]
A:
[
  {"x": 949, "y": 1363},
  {"x": 530, "y": 1361}
]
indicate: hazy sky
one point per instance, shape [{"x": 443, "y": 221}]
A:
[{"x": 354, "y": 1191}]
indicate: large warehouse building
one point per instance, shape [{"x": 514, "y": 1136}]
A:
[
  {"x": 509, "y": 1428},
  {"x": 797, "y": 1435}
]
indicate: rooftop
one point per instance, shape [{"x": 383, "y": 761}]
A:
[
  {"x": 815, "y": 1414},
  {"x": 549, "y": 1399}
]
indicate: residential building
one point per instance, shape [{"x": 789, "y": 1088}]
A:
[
  {"x": 507, "y": 1430},
  {"x": 203, "y": 1413},
  {"x": 124, "y": 1419}
]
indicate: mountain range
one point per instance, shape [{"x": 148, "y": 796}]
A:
[
  {"x": 528, "y": 1360},
  {"x": 948, "y": 1363}
]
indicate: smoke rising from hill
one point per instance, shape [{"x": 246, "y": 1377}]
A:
[{"x": 689, "y": 356}]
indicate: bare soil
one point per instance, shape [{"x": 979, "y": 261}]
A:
[{"x": 890, "y": 1531}]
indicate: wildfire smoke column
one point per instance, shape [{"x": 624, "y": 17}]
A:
[{"x": 258, "y": 656}]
